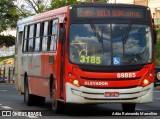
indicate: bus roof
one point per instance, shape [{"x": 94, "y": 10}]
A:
[
  {"x": 44, "y": 15},
  {"x": 63, "y": 10},
  {"x": 110, "y": 5}
]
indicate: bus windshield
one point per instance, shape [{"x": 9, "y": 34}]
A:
[{"x": 110, "y": 44}]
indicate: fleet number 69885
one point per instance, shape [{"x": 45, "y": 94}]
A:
[{"x": 126, "y": 75}]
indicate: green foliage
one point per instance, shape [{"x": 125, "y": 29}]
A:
[
  {"x": 7, "y": 40},
  {"x": 157, "y": 55},
  {"x": 99, "y": 1},
  {"x": 61, "y": 3},
  {"x": 31, "y": 7},
  {"x": 158, "y": 31},
  {"x": 6, "y": 57},
  {"x": 8, "y": 14}
]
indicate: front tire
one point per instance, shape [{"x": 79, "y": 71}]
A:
[
  {"x": 57, "y": 106},
  {"x": 128, "y": 107}
]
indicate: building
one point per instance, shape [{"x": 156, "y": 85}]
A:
[
  {"x": 4, "y": 51},
  {"x": 9, "y": 31},
  {"x": 154, "y": 5},
  {"x": 155, "y": 9}
]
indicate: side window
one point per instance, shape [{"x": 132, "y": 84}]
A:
[
  {"x": 24, "y": 45},
  {"x": 30, "y": 41},
  {"x": 45, "y": 36},
  {"x": 54, "y": 35},
  {"x": 25, "y": 38},
  {"x": 37, "y": 38}
]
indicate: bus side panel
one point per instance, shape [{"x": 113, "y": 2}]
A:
[
  {"x": 38, "y": 86},
  {"x": 50, "y": 67},
  {"x": 38, "y": 82},
  {"x": 41, "y": 68}
]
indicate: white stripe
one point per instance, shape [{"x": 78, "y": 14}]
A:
[
  {"x": 6, "y": 107},
  {"x": 156, "y": 91},
  {"x": 157, "y": 98},
  {"x": 3, "y": 90},
  {"x": 138, "y": 109},
  {"x": 0, "y": 104}
]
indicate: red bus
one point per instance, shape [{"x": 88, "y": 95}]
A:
[{"x": 86, "y": 53}]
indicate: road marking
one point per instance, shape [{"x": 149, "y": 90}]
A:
[
  {"x": 3, "y": 90},
  {"x": 138, "y": 109},
  {"x": 6, "y": 107},
  {"x": 157, "y": 98},
  {"x": 0, "y": 104},
  {"x": 157, "y": 91}
]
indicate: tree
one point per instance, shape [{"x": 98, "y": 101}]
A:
[
  {"x": 8, "y": 14},
  {"x": 32, "y": 7},
  {"x": 61, "y": 3},
  {"x": 7, "y": 40},
  {"x": 99, "y": 1}
]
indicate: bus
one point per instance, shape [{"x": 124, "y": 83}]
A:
[{"x": 86, "y": 54}]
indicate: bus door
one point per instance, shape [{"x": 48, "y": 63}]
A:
[
  {"x": 18, "y": 54},
  {"x": 62, "y": 38}
]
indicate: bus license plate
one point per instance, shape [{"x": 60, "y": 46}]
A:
[{"x": 111, "y": 94}]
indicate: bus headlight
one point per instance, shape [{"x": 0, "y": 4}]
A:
[
  {"x": 147, "y": 80},
  {"x": 73, "y": 79},
  {"x": 75, "y": 82}
]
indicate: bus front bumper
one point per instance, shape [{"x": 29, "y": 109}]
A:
[{"x": 84, "y": 95}]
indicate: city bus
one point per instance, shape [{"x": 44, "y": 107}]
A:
[{"x": 86, "y": 54}]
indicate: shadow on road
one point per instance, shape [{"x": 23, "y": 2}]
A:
[{"x": 83, "y": 110}]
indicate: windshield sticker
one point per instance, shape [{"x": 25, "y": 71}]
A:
[{"x": 116, "y": 61}]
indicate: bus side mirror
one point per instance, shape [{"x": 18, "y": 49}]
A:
[
  {"x": 155, "y": 36},
  {"x": 62, "y": 33}
]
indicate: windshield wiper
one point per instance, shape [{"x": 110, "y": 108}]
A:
[
  {"x": 127, "y": 33},
  {"x": 125, "y": 38},
  {"x": 97, "y": 34}
]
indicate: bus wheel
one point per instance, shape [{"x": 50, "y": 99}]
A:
[
  {"x": 128, "y": 107},
  {"x": 57, "y": 106},
  {"x": 28, "y": 98}
]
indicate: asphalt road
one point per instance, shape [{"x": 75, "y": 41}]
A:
[{"x": 12, "y": 103}]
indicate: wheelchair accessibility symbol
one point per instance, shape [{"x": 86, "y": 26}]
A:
[{"x": 116, "y": 60}]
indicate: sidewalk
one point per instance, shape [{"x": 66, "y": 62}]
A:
[{"x": 157, "y": 88}]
